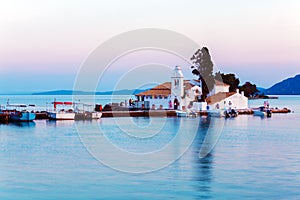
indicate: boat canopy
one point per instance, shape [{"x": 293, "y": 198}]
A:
[
  {"x": 17, "y": 105},
  {"x": 55, "y": 103},
  {"x": 83, "y": 104},
  {"x": 62, "y": 103}
]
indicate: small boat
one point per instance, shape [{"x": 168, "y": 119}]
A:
[
  {"x": 181, "y": 113},
  {"x": 83, "y": 111},
  {"x": 192, "y": 113},
  {"x": 87, "y": 115},
  {"x": 20, "y": 113},
  {"x": 96, "y": 115},
  {"x": 262, "y": 112},
  {"x": 188, "y": 113},
  {"x": 62, "y": 114},
  {"x": 230, "y": 113}
]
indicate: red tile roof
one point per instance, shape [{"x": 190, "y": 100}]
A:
[
  {"x": 218, "y": 97},
  {"x": 162, "y": 89}
]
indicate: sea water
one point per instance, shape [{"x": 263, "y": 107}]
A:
[{"x": 252, "y": 157}]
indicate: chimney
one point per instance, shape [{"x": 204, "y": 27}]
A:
[
  {"x": 242, "y": 92},
  {"x": 237, "y": 91}
]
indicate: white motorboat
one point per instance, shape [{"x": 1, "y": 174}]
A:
[
  {"x": 83, "y": 111},
  {"x": 188, "y": 113},
  {"x": 96, "y": 115},
  {"x": 181, "y": 113},
  {"x": 61, "y": 114}
]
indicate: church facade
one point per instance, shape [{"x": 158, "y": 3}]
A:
[{"x": 176, "y": 94}]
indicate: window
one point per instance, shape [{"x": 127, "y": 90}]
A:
[{"x": 176, "y": 82}]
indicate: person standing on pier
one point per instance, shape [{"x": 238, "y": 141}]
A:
[{"x": 130, "y": 102}]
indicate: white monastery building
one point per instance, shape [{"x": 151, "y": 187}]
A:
[{"x": 183, "y": 94}]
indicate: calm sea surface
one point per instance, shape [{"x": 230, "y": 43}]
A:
[{"x": 253, "y": 158}]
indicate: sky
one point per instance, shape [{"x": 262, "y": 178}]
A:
[{"x": 44, "y": 43}]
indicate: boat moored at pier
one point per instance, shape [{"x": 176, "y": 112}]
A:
[
  {"x": 262, "y": 112},
  {"x": 63, "y": 113},
  {"x": 19, "y": 112}
]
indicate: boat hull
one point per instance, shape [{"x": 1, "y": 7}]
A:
[
  {"x": 88, "y": 115},
  {"x": 22, "y": 116},
  {"x": 61, "y": 116},
  {"x": 96, "y": 115},
  {"x": 262, "y": 113},
  {"x": 181, "y": 113}
]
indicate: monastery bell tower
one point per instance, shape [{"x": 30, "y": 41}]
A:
[{"x": 177, "y": 83}]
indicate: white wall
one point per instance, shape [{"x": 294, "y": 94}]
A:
[
  {"x": 219, "y": 88},
  {"x": 199, "y": 106},
  {"x": 237, "y": 100},
  {"x": 158, "y": 102}
]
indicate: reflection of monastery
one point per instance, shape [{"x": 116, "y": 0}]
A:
[{"x": 183, "y": 94}]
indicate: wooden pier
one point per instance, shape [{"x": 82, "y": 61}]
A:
[
  {"x": 172, "y": 113},
  {"x": 4, "y": 117}
]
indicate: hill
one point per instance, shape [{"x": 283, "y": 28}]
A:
[
  {"x": 290, "y": 86},
  {"x": 60, "y": 92},
  {"x": 261, "y": 90}
]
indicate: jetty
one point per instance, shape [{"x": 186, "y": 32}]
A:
[
  {"x": 40, "y": 115},
  {"x": 4, "y": 118}
]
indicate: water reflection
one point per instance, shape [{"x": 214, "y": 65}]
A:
[
  {"x": 59, "y": 123},
  {"x": 211, "y": 129},
  {"x": 23, "y": 124},
  {"x": 203, "y": 166},
  {"x": 204, "y": 175}
]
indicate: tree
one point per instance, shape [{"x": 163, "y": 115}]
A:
[
  {"x": 229, "y": 79},
  {"x": 249, "y": 89},
  {"x": 203, "y": 68}
]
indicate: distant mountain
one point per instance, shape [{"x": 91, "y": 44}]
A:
[
  {"x": 290, "y": 86},
  {"x": 71, "y": 92},
  {"x": 60, "y": 92},
  {"x": 261, "y": 90},
  {"x": 122, "y": 92}
]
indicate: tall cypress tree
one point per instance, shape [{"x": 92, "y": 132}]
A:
[{"x": 203, "y": 68}]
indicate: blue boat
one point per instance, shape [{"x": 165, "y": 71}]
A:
[
  {"x": 262, "y": 112},
  {"x": 20, "y": 113}
]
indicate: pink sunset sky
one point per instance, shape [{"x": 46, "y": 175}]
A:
[{"x": 43, "y": 43}]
